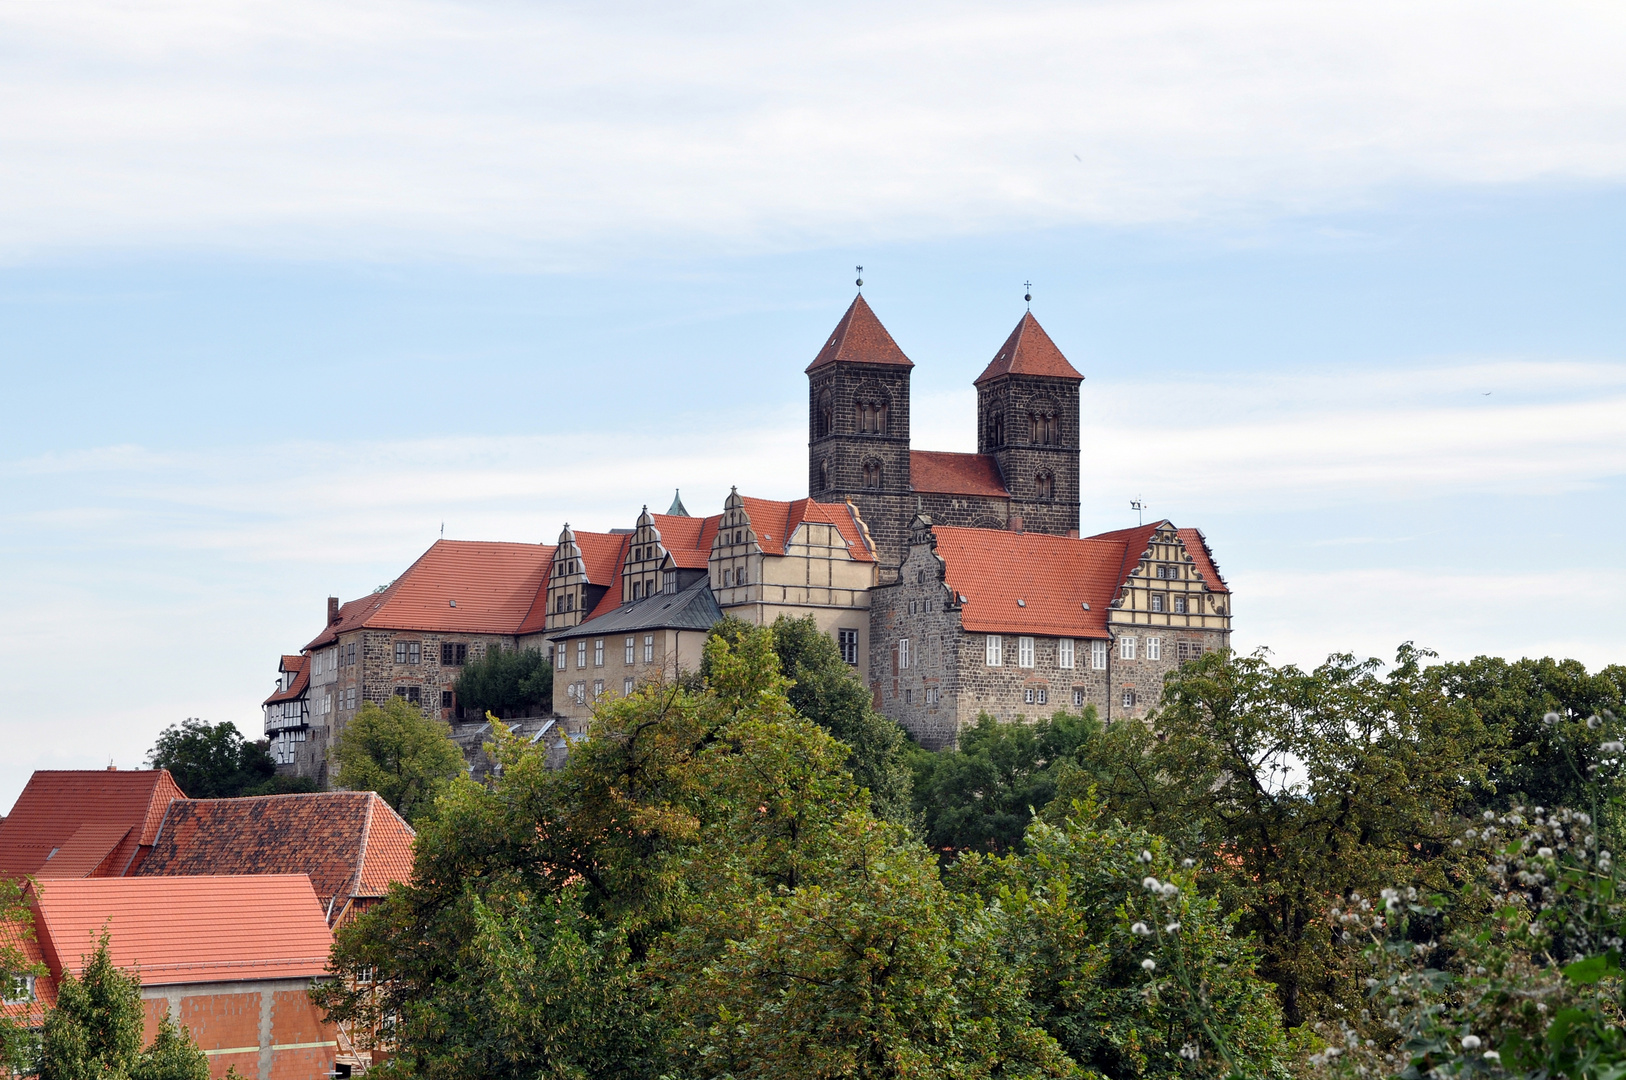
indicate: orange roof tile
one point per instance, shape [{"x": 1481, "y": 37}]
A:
[
  {"x": 56, "y": 804},
  {"x": 687, "y": 540},
  {"x": 1054, "y": 576},
  {"x": 602, "y": 556},
  {"x": 1029, "y": 351},
  {"x": 301, "y": 683},
  {"x": 955, "y": 474},
  {"x": 859, "y": 338},
  {"x": 86, "y": 852},
  {"x": 329, "y": 836},
  {"x": 775, "y": 522},
  {"x": 293, "y": 663},
  {"x": 493, "y": 585},
  {"x": 1197, "y": 547},
  {"x": 187, "y": 929}
]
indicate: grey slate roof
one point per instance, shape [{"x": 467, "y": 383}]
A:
[{"x": 694, "y": 608}]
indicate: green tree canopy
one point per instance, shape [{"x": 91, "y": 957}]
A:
[
  {"x": 400, "y": 753},
  {"x": 216, "y": 762},
  {"x": 507, "y": 682},
  {"x": 983, "y": 795},
  {"x": 18, "y": 1047},
  {"x": 94, "y": 1031}
]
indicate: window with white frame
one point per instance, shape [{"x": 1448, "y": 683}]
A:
[
  {"x": 598, "y": 652},
  {"x": 626, "y": 687},
  {"x": 1154, "y": 648},
  {"x": 1064, "y": 652},
  {"x": 994, "y": 655},
  {"x": 581, "y": 653},
  {"x": 1129, "y": 699},
  {"x": 19, "y": 990},
  {"x": 1157, "y": 601},
  {"x": 1027, "y": 696},
  {"x": 1179, "y": 605},
  {"x": 1098, "y": 655},
  {"x": 631, "y": 645},
  {"x": 327, "y": 703},
  {"x": 649, "y": 648},
  {"x": 1044, "y": 695},
  {"x": 903, "y": 652},
  {"x": 1126, "y": 648},
  {"x": 1024, "y": 652},
  {"x": 931, "y": 695},
  {"x": 598, "y": 689},
  {"x": 848, "y": 640},
  {"x": 1078, "y": 698},
  {"x": 561, "y": 659}
]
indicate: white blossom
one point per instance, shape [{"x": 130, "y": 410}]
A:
[
  {"x": 1151, "y": 884},
  {"x": 1470, "y": 1042},
  {"x": 1172, "y": 928},
  {"x": 1149, "y": 964},
  {"x": 1141, "y": 929},
  {"x": 1492, "y": 1055},
  {"x": 1145, "y": 856}
]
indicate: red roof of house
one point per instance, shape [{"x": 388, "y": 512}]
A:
[
  {"x": 301, "y": 683},
  {"x": 98, "y": 819},
  {"x": 349, "y": 843},
  {"x": 859, "y": 338},
  {"x": 687, "y": 540},
  {"x": 457, "y": 586},
  {"x": 1029, "y": 351},
  {"x": 607, "y": 561},
  {"x": 292, "y": 663},
  {"x": 955, "y": 474},
  {"x": 775, "y": 522},
  {"x": 1052, "y": 576},
  {"x": 20, "y": 937},
  {"x": 186, "y": 929}
]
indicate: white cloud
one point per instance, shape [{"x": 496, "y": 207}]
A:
[{"x": 528, "y": 131}]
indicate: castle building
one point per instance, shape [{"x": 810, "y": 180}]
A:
[{"x": 957, "y": 583}]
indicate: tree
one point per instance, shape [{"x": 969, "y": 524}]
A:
[
  {"x": 506, "y": 682},
  {"x": 828, "y": 691},
  {"x": 1289, "y": 787},
  {"x": 18, "y": 1047},
  {"x": 400, "y": 753},
  {"x": 1511, "y": 698},
  {"x": 983, "y": 795},
  {"x": 213, "y": 761},
  {"x": 1128, "y": 966},
  {"x": 94, "y": 1032}
]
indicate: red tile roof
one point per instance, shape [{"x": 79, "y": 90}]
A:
[
  {"x": 301, "y": 683},
  {"x": 292, "y": 663},
  {"x": 775, "y": 522},
  {"x": 955, "y": 474},
  {"x": 350, "y": 843},
  {"x": 608, "y": 562},
  {"x": 1054, "y": 576},
  {"x": 56, "y": 805},
  {"x": 1197, "y": 547},
  {"x": 1029, "y": 351},
  {"x": 187, "y": 929},
  {"x": 859, "y": 338},
  {"x": 493, "y": 585},
  {"x": 87, "y": 852},
  {"x": 687, "y": 539}
]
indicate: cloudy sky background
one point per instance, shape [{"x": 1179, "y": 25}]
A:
[{"x": 283, "y": 287}]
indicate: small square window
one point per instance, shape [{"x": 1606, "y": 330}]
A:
[
  {"x": 1129, "y": 699},
  {"x": 1078, "y": 698},
  {"x": 1179, "y": 605}
]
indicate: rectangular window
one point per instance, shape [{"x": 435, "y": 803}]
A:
[
  {"x": 931, "y": 695},
  {"x": 598, "y": 689},
  {"x": 740, "y": 577},
  {"x": 911, "y": 607},
  {"x": 350, "y": 698},
  {"x": 1126, "y": 648},
  {"x": 1078, "y": 698},
  {"x": 1179, "y": 605},
  {"x": 598, "y": 652},
  {"x": 581, "y": 654},
  {"x": 400, "y": 652},
  {"x": 413, "y": 694},
  {"x": 1024, "y": 652},
  {"x": 670, "y": 581},
  {"x": 649, "y": 648},
  {"x": 1027, "y": 696},
  {"x": 1044, "y": 696},
  {"x": 903, "y": 652},
  {"x": 994, "y": 651},
  {"x": 446, "y": 699},
  {"x": 560, "y": 659},
  {"x": 1098, "y": 655},
  {"x": 1157, "y": 601},
  {"x": 1129, "y": 699},
  {"x": 908, "y": 697},
  {"x": 848, "y": 639},
  {"x": 626, "y": 687},
  {"x": 1064, "y": 652},
  {"x": 631, "y": 646},
  {"x": 1154, "y": 648}
]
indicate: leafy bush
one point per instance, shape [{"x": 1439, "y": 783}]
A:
[{"x": 506, "y": 683}]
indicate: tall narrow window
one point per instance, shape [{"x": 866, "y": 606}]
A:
[
  {"x": 629, "y": 650},
  {"x": 1078, "y": 697},
  {"x": 626, "y": 687},
  {"x": 825, "y": 416},
  {"x": 1024, "y": 652},
  {"x": 872, "y": 474},
  {"x": 560, "y": 660},
  {"x": 1044, "y": 487},
  {"x": 1179, "y": 605},
  {"x": 1064, "y": 652},
  {"x": 848, "y": 640},
  {"x": 994, "y": 651},
  {"x": 649, "y": 648},
  {"x": 598, "y": 689},
  {"x": 1126, "y": 648},
  {"x": 824, "y": 476},
  {"x": 598, "y": 652},
  {"x": 1129, "y": 699},
  {"x": 903, "y": 652},
  {"x": 1154, "y": 648},
  {"x": 581, "y": 654},
  {"x": 1157, "y": 601},
  {"x": 670, "y": 581}
]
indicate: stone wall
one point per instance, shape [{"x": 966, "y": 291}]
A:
[
  {"x": 836, "y": 457},
  {"x": 1023, "y": 457}
]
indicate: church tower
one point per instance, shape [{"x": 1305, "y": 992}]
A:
[
  {"x": 1028, "y": 421},
  {"x": 858, "y": 414}
]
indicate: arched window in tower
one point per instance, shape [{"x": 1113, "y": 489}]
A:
[
  {"x": 872, "y": 417},
  {"x": 872, "y": 473},
  {"x": 824, "y": 418},
  {"x": 824, "y": 475},
  {"x": 996, "y": 430},
  {"x": 1044, "y": 487},
  {"x": 1042, "y": 428}
]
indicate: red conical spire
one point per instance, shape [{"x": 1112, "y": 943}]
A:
[
  {"x": 859, "y": 338},
  {"x": 1029, "y": 351}
]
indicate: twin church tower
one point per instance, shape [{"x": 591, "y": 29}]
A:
[{"x": 1024, "y": 476}]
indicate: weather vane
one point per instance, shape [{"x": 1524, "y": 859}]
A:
[
  {"x": 1027, "y": 293},
  {"x": 1139, "y": 506},
  {"x": 860, "y": 270}
]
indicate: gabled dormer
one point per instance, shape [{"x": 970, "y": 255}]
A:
[
  {"x": 648, "y": 562},
  {"x": 1171, "y": 582},
  {"x": 736, "y": 553}
]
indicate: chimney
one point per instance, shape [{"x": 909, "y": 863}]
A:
[
  {"x": 112, "y": 768},
  {"x": 332, "y": 610}
]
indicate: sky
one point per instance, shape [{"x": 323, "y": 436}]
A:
[{"x": 286, "y": 289}]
